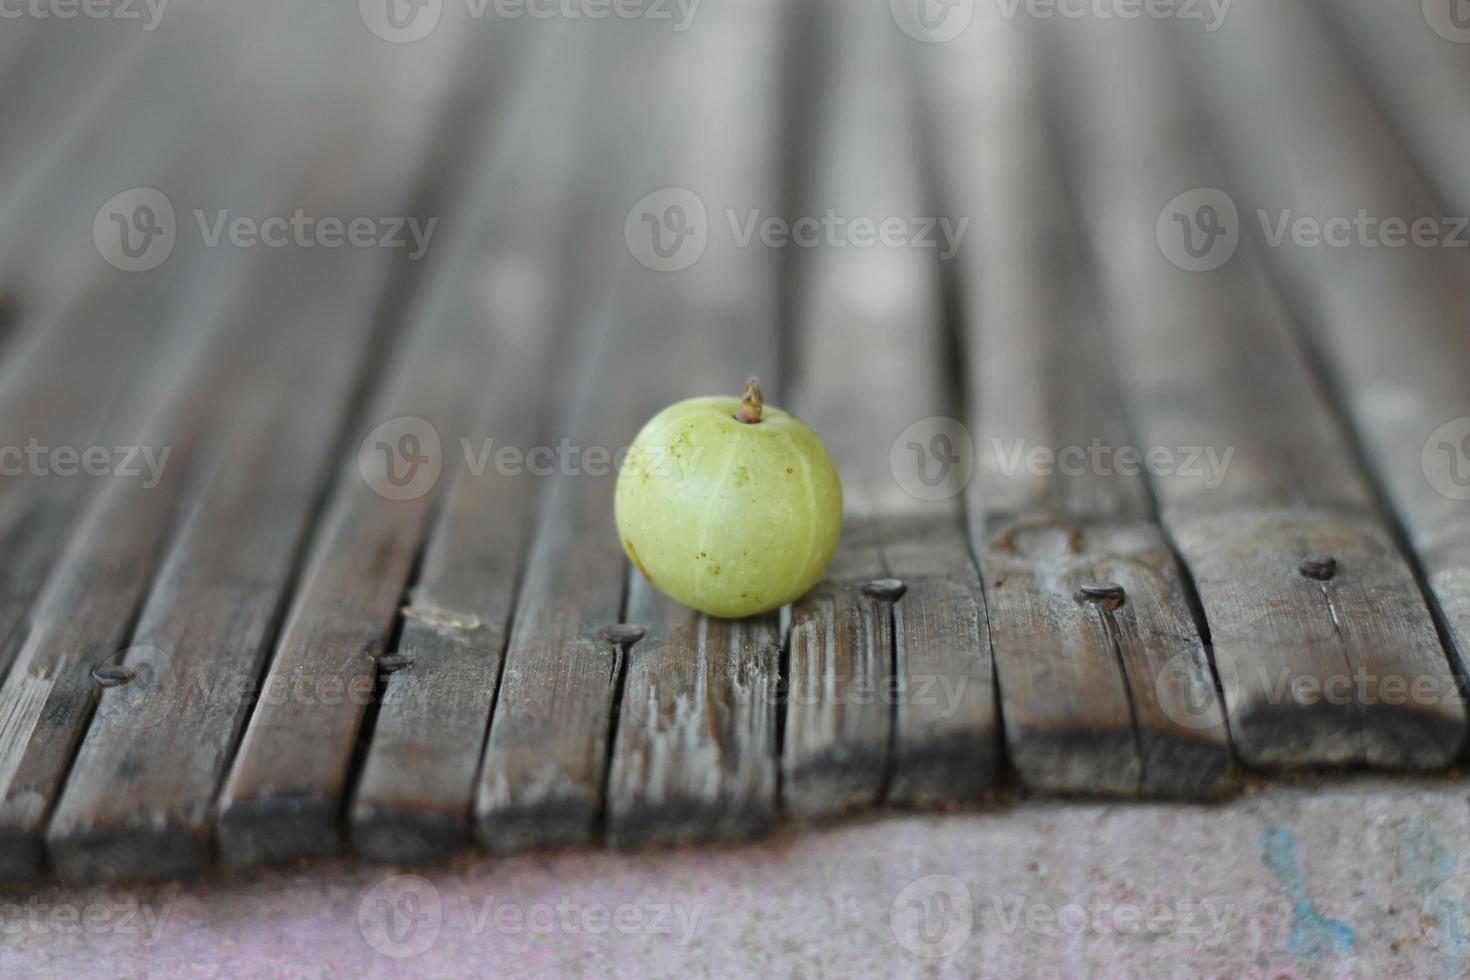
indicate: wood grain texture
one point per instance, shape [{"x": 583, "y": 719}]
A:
[
  {"x": 839, "y": 685},
  {"x": 552, "y": 750},
  {"x": 83, "y": 616},
  {"x": 265, "y": 398},
  {"x": 414, "y": 796},
  {"x": 131, "y": 105},
  {"x": 61, "y": 75},
  {"x": 1210, "y": 361},
  {"x": 1397, "y": 387},
  {"x": 946, "y": 744},
  {"x": 288, "y": 781},
  {"x": 136, "y": 360},
  {"x": 1094, "y": 700},
  {"x": 889, "y": 697},
  {"x": 1416, "y": 76},
  {"x": 695, "y": 757},
  {"x": 80, "y": 372}
]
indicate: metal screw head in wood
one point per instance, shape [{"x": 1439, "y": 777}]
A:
[
  {"x": 1108, "y": 595},
  {"x": 1320, "y": 568},
  {"x": 111, "y": 675},
  {"x": 622, "y": 635},
  {"x": 885, "y": 589}
]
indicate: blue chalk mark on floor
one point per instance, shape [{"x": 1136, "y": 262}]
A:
[
  {"x": 1431, "y": 865},
  {"x": 1313, "y": 935}
]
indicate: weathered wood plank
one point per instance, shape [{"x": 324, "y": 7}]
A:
[
  {"x": 695, "y": 757},
  {"x": 1210, "y": 364},
  {"x": 672, "y": 334},
  {"x": 1398, "y": 387},
  {"x": 220, "y": 378},
  {"x": 88, "y": 331},
  {"x": 1099, "y": 694},
  {"x": 946, "y": 746},
  {"x": 863, "y": 723},
  {"x": 143, "y": 91},
  {"x": 839, "y": 682},
  {"x": 75, "y": 385},
  {"x": 84, "y": 613},
  {"x": 62, "y": 74},
  {"x": 288, "y": 781},
  {"x": 1418, "y": 76},
  {"x": 414, "y": 796}
]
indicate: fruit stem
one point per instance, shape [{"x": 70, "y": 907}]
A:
[{"x": 751, "y": 403}]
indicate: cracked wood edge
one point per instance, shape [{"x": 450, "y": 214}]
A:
[{"x": 695, "y": 757}]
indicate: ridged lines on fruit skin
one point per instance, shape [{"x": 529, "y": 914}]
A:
[
  {"x": 811, "y": 501},
  {"x": 709, "y": 506}
]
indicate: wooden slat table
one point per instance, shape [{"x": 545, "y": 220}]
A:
[{"x": 339, "y": 619}]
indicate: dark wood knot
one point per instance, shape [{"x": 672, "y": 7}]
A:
[
  {"x": 112, "y": 675},
  {"x": 1107, "y": 595},
  {"x": 394, "y": 662},
  {"x": 1321, "y": 568},
  {"x": 622, "y": 635},
  {"x": 885, "y": 589}
]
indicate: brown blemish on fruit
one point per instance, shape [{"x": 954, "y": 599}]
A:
[{"x": 788, "y": 471}]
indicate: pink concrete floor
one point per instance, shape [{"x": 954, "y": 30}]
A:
[{"x": 1363, "y": 879}]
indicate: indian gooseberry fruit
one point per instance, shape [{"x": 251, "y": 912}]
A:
[{"x": 728, "y": 505}]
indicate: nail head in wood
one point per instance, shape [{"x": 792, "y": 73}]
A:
[
  {"x": 885, "y": 589},
  {"x": 394, "y": 662},
  {"x": 1108, "y": 595},
  {"x": 622, "y": 635},
  {"x": 1321, "y": 568},
  {"x": 111, "y": 675}
]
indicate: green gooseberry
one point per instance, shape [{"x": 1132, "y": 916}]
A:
[{"x": 729, "y": 506}]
